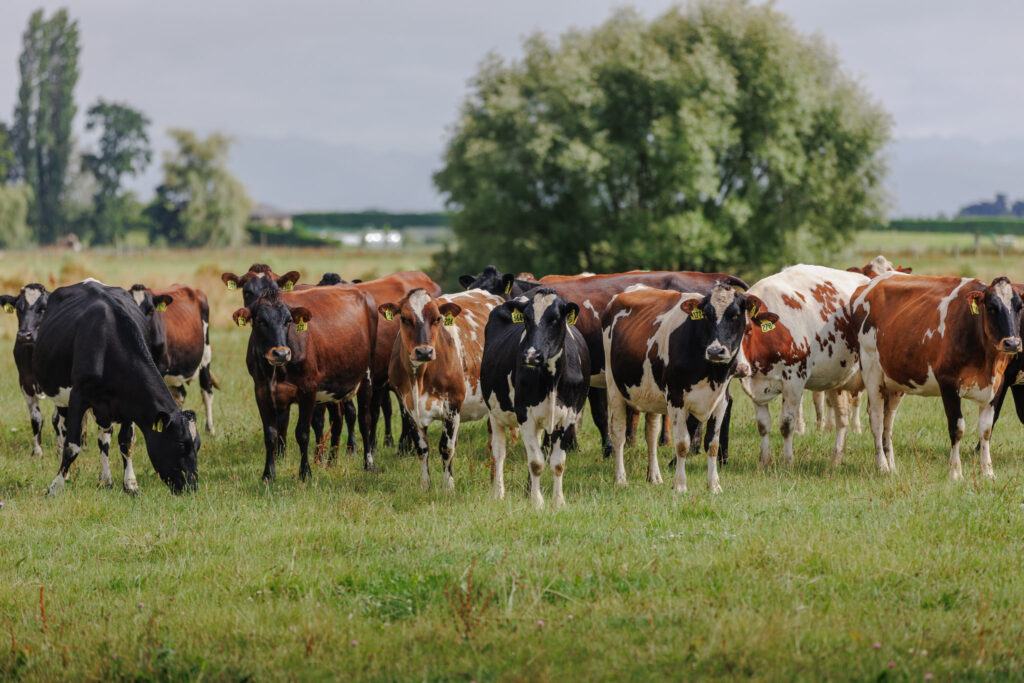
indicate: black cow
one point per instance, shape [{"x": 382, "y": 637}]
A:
[
  {"x": 91, "y": 354},
  {"x": 30, "y": 304},
  {"x": 535, "y": 374}
]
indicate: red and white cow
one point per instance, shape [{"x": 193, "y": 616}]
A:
[
  {"x": 435, "y": 365},
  {"x": 812, "y": 347},
  {"x": 935, "y": 336}
]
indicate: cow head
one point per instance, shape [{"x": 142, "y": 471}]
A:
[
  {"x": 546, "y": 317},
  {"x": 152, "y": 308},
  {"x": 491, "y": 280},
  {"x": 719, "y": 320},
  {"x": 271, "y": 318},
  {"x": 999, "y": 307},
  {"x": 330, "y": 279},
  {"x": 172, "y": 442},
  {"x": 30, "y": 304},
  {"x": 420, "y": 316},
  {"x": 258, "y": 280},
  {"x": 878, "y": 266}
]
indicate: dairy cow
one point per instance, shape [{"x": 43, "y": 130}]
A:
[
  {"x": 91, "y": 354},
  {"x": 435, "y": 365},
  {"x": 674, "y": 352},
  {"x": 935, "y": 336},
  {"x": 30, "y": 305},
  {"x": 535, "y": 375}
]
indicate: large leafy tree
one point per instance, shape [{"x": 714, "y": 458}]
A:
[
  {"x": 199, "y": 202},
  {"x": 15, "y": 197},
  {"x": 41, "y": 133},
  {"x": 122, "y": 150},
  {"x": 713, "y": 137}
]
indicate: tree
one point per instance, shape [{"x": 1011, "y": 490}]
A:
[
  {"x": 123, "y": 150},
  {"x": 41, "y": 132},
  {"x": 6, "y": 155},
  {"x": 713, "y": 137},
  {"x": 199, "y": 202},
  {"x": 14, "y": 201}
]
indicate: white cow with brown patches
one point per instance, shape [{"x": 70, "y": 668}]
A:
[{"x": 435, "y": 365}]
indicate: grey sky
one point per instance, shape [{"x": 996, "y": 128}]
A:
[{"x": 340, "y": 104}]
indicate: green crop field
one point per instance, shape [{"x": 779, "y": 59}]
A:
[{"x": 805, "y": 572}]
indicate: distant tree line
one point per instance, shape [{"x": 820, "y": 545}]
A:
[
  {"x": 998, "y": 208},
  {"x": 377, "y": 219},
  {"x": 49, "y": 188}
]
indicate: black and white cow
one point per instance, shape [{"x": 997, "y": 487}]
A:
[
  {"x": 535, "y": 376},
  {"x": 91, "y": 354},
  {"x": 30, "y": 305}
]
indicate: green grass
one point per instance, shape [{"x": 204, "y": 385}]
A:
[{"x": 792, "y": 573}]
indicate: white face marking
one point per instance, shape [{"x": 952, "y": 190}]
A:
[
  {"x": 880, "y": 264},
  {"x": 193, "y": 432},
  {"x": 541, "y": 304},
  {"x": 31, "y": 295},
  {"x": 418, "y": 300},
  {"x": 139, "y": 295},
  {"x": 1005, "y": 294},
  {"x": 720, "y": 300}
]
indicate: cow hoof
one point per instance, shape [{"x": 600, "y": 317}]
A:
[
  {"x": 449, "y": 483},
  {"x": 679, "y": 490},
  {"x": 715, "y": 488},
  {"x": 763, "y": 463},
  {"x": 620, "y": 481},
  {"x": 389, "y": 441},
  {"x": 210, "y": 431},
  {"x": 37, "y": 452},
  {"x": 56, "y": 486},
  {"x": 655, "y": 480},
  {"x": 557, "y": 503},
  {"x": 425, "y": 484},
  {"x": 350, "y": 449},
  {"x": 131, "y": 488},
  {"x": 537, "y": 502},
  {"x": 106, "y": 483},
  {"x": 607, "y": 450}
]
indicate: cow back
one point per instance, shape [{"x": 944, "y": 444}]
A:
[{"x": 185, "y": 320}]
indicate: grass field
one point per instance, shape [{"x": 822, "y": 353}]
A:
[{"x": 792, "y": 573}]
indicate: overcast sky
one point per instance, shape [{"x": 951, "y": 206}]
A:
[{"x": 345, "y": 105}]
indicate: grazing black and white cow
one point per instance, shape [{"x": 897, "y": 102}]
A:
[
  {"x": 674, "y": 353},
  {"x": 30, "y": 305},
  {"x": 91, "y": 354},
  {"x": 535, "y": 375}
]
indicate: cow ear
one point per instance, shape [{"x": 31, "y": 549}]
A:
[
  {"x": 8, "y": 301},
  {"x": 572, "y": 313},
  {"x": 754, "y": 305},
  {"x": 389, "y": 311},
  {"x": 353, "y": 282},
  {"x": 231, "y": 281},
  {"x": 301, "y": 317},
  {"x": 163, "y": 301},
  {"x": 852, "y": 269},
  {"x": 903, "y": 269},
  {"x": 975, "y": 299},
  {"x": 506, "y": 282},
  {"x": 692, "y": 308},
  {"x": 242, "y": 317},
  {"x": 466, "y": 281},
  {"x": 449, "y": 311},
  {"x": 288, "y": 280},
  {"x": 160, "y": 421}
]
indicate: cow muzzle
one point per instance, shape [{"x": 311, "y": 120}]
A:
[
  {"x": 718, "y": 353},
  {"x": 279, "y": 355},
  {"x": 532, "y": 358},
  {"x": 26, "y": 337},
  {"x": 423, "y": 354},
  {"x": 1010, "y": 345}
]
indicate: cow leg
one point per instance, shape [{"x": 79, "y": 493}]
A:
[
  {"x": 335, "y": 413},
  {"x": 498, "y": 446},
  {"x": 854, "y": 401},
  {"x": 822, "y": 418},
  {"x": 367, "y": 426},
  {"x": 206, "y": 385},
  {"x": 75, "y": 414},
  {"x": 764, "y": 427},
  {"x": 876, "y": 418},
  {"x": 60, "y": 428},
  {"x": 665, "y": 438},
  {"x": 615, "y": 407},
  {"x": 535, "y": 460},
  {"x": 409, "y": 437},
  {"x": 714, "y": 429},
  {"x": 722, "y": 430},
  {"x": 696, "y": 429},
  {"x": 986, "y": 418},
  {"x": 449, "y": 435},
  {"x": 104, "y": 438},
  {"x": 792, "y": 395},
  {"x": 317, "y": 423},
  {"x": 125, "y": 441},
  {"x": 349, "y": 410},
  {"x": 799, "y": 425},
  {"x": 178, "y": 393},
  {"x": 305, "y": 417},
  {"x": 385, "y": 409},
  {"x": 892, "y": 403},
  {"x": 35, "y": 416},
  {"x": 837, "y": 403},
  {"x": 632, "y": 424},
  {"x": 282, "y": 433},
  {"x": 681, "y": 435},
  {"x": 270, "y": 440},
  {"x": 955, "y": 424},
  {"x": 599, "y": 412},
  {"x": 557, "y": 462},
  {"x": 652, "y": 430}
]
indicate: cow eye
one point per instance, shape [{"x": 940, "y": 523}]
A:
[{"x": 406, "y": 321}]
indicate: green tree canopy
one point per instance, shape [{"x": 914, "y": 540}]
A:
[
  {"x": 713, "y": 137},
  {"x": 199, "y": 202},
  {"x": 41, "y": 133},
  {"x": 123, "y": 149}
]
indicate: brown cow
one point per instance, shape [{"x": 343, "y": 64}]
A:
[
  {"x": 309, "y": 347},
  {"x": 435, "y": 365},
  {"x": 935, "y": 336}
]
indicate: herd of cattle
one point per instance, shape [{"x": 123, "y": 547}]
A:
[{"x": 526, "y": 354}]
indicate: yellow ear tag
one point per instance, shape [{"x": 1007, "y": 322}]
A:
[
  {"x": 508, "y": 287},
  {"x": 242, "y": 322},
  {"x": 9, "y": 308},
  {"x": 974, "y": 306},
  {"x": 449, "y": 319},
  {"x": 517, "y": 316},
  {"x": 389, "y": 314},
  {"x": 571, "y": 318},
  {"x": 162, "y": 306},
  {"x": 288, "y": 285},
  {"x": 696, "y": 314},
  {"x": 301, "y": 326},
  {"x": 232, "y": 284},
  {"x": 158, "y": 426},
  {"x": 767, "y": 326},
  {"x": 753, "y": 310}
]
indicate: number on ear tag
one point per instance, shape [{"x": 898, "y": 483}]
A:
[
  {"x": 288, "y": 285},
  {"x": 767, "y": 326},
  {"x": 162, "y": 306},
  {"x": 974, "y": 306},
  {"x": 8, "y": 308},
  {"x": 517, "y": 316},
  {"x": 301, "y": 325},
  {"x": 571, "y": 318},
  {"x": 696, "y": 314},
  {"x": 232, "y": 284},
  {"x": 508, "y": 287},
  {"x": 449, "y": 319},
  {"x": 389, "y": 314}
]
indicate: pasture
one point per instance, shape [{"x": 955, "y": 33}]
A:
[{"x": 791, "y": 573}]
